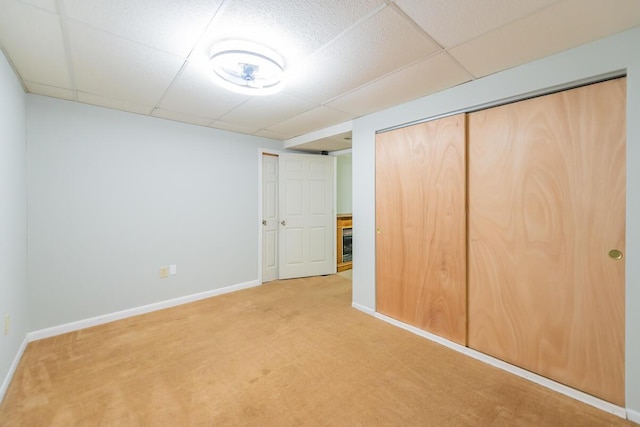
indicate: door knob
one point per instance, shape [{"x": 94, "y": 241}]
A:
[
  {"x": 264, "y": 222},
  {"x": 615, "y": 254},
  {"x": 283, "y": 222},
  {"x": 378, "y": 231}
]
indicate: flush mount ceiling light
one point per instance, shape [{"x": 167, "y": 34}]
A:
[{"x": 247, "y": 68}]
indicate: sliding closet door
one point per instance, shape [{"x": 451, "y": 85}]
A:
[
  {"x": 546, "y": 236},
  {"x": 420, "y": 220}
]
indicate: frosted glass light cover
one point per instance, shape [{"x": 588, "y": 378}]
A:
[{"x": 247, "y": 68}]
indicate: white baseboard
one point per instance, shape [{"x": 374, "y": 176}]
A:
[
  {"x": 545, "y": 382},
  {"x": 633, "y": 416},
  {"x": 362, "y": 308},
  {"x": 99, "y": 320},
  {"x": 12, "y": 369}
]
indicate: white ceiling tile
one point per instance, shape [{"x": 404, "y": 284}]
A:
[
  {"x": 315, "y": 119},
  {"x": 32, "y": 38},
  {"x": 355, "y": 56},
  {"x": 49, "y": 5},
  {"x": 54, "y": 92},
  {"x": 378, "y": 46},
  {"x": 451, "y": 22},
  {"x": 172, "y": 26},
  {"x": 113, "y": 67},
  {"x": 428, "y": 76},
  {"x": 232, "y": 127},
  {"x": 195, "y": 93},
  {"x": 263, "y": 111},
  {"x": 180, "y": 117},
  {"x": 292, "y": 28},
  {"x": 270, "y": 134},
  {"x": 562, "y": 26},
  {"x": 114, "y": 104}
]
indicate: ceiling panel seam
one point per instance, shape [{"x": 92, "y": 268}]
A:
[
  {"x": 382, "y": 77},
  {"x": 459, "y": 65},
  {"x": 415, "y": 25},
  {"x": 202, "y": 39},
  {"x": 346, "y": 31},
  {"x": 166, "y": 90},
  {"x": 66, "y": 18},
  {"x": 37, "y": 7},
  {"x": 232, "y": 109},
  {"x": 505, "y": 24},
  {"x": 67, "y": 48}
]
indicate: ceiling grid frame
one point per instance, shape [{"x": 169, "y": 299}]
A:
[{"x": 185, "y": 93}]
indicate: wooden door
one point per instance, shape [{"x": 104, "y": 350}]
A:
[
  {"x": 307, "y": 215},
  {"x": 546, "y": 205},
  {"x": 420, "y": 218}
]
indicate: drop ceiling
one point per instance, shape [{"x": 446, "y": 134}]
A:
[{"x": 344, "y": 58}]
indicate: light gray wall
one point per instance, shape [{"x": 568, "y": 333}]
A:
[
  {"x": 114, "y": 196},
  {"x": 13, "y": 218},
  {"x": 615, "y": 53},
  {"x": 343, "y": 176}
]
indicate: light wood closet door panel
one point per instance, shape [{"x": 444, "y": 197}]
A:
[
  {"x": 420, "y": 214},
  {"x": 546, "y": 204}
]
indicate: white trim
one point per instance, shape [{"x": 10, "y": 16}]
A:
[
  {"x": 545, "y": 382},
  {"x": 363, "y": 309},
  {"x": 633, "y": 416},
  {"x": 118, "y": 315},
  {"x": 345, "y": 152},
  {"x": 319, "y": 134},
  {"x": 12, "y": 369},
  {"x": 339, "y": 153}
]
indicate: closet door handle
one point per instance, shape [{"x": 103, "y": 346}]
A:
[
  {"x": 615, "y": 254},
  {"x": 283, "y": 222}
]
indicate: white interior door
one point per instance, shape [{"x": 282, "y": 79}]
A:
[
  {"x": 269, "y": 218},
  {"x": 307, "y": 229}
]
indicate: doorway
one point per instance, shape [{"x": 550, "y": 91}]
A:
[
  {"x": 297, "y": 227},
  {"x": 344, "y": 212}
]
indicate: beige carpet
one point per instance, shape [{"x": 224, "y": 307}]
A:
[{"x": 284, "y": 354}]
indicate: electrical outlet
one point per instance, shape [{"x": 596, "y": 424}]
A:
[
  {"x": 164, "y": 272},
  {"x": 173, "y": 269},
  {"x": 7, "y": 323}
]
